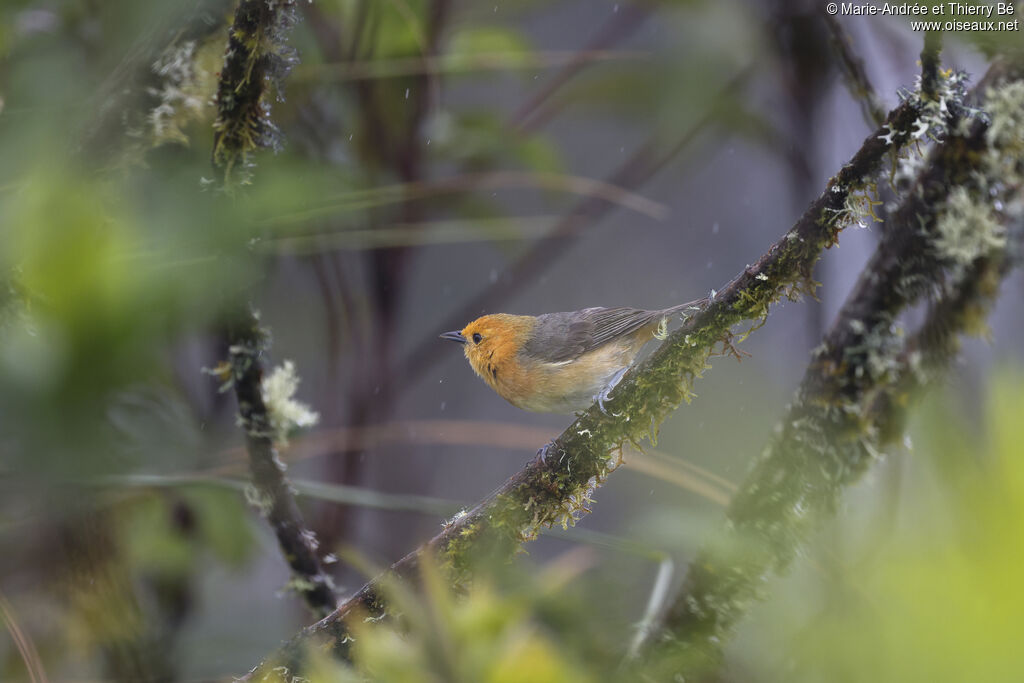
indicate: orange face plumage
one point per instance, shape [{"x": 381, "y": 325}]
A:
[{"x": 492, "y": 346}]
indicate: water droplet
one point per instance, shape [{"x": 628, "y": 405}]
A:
[
  {"x": 406, "y": 93},
  {"x": 714, "y": 229}
]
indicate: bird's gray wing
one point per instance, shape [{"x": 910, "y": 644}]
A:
[{"x": 560, "y": 337}]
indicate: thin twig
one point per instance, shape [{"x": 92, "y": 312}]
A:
[
  {"x": 856, "y": 75},
  {"x": 435, "y": 65},
  {"x": 930, "y": 64},
  {"x": 616, "y": 27},
  {"x": 420, "y": 189}
]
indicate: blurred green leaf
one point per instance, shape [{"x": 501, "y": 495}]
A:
[
  {"x": 168, "y": 533},
  {"x": 225, "y": 524},
  {"x": 151, "y": 543},
  {"x": 482, "y": 636},
  {"x": 943, "y": 600},
  {"x": 470, "y": 42}
]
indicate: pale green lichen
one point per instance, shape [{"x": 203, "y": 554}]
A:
[
  {"x": 661, "y": 334},
  {"x": 1006, "y": 109},
  {"x": 1004, "y": 159},
  {"x": 258, "y": 499},
  {"x": 458, "y": 515},
  {"x": 967, "y": 229},
  {"x": 181, "y": 94},
  {"x": 286, "y": 414}
]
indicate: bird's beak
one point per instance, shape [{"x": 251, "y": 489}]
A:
[{"x": 454, "y": 336}]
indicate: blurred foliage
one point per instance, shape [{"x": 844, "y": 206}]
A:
[
  {"x": 937, "y": 596},
  {"x": 170, "y": 533},
  {"x": 529, "y": 631},
  {"x": 942, "y": 599}
]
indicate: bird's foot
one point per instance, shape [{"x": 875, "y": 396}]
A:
[
  {"x": 606, "y": 393},
  {"x": 542, "y": 453}
]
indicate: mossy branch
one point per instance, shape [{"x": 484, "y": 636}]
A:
[
  {"x": 841, "y": 420},
  {"x": 272, "y": 493},
  {"x": 257, "y": 59},
  {"x": 931, "y": 350},
  {"x": 557, "y": 489}
]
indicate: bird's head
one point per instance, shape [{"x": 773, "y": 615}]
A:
[{"x": 492, "y": 340}]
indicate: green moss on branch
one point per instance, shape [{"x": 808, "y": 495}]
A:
[
  {"x": 256, "y": 61},
  {"x": 557, "y": 490}
]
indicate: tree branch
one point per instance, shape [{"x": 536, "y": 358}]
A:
[
  {"x": 557, "y": 489},
  {"x": 257, "y": 58},
  {"x": 837, "y": 423},
  {"x": 930, "y": 64},
  {"x": 273, "y": 494}
]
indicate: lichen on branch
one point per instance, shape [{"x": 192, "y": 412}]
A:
[{"x": 266, "y": 417}]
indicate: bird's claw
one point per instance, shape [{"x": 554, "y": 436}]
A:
[
  {"x": 606, "y": 393},
  {"x": 542, "y": 452}
]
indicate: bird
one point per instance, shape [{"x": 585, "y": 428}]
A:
[{"x": 559, "y": 362}]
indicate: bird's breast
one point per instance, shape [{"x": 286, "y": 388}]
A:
[{"x": 563, "y": 387}]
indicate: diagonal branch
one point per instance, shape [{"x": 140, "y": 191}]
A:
[
  {"x": 857, "y": 80},
  {"x": 839, "y": 420},
  {"x": 557, "y": 489},
  {"x": 618, "y": 26}
]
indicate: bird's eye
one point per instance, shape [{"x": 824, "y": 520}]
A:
[{"x": 477, "y": 337}]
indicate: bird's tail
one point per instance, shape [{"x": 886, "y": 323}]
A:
[{"x": 689, "y": 308}]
